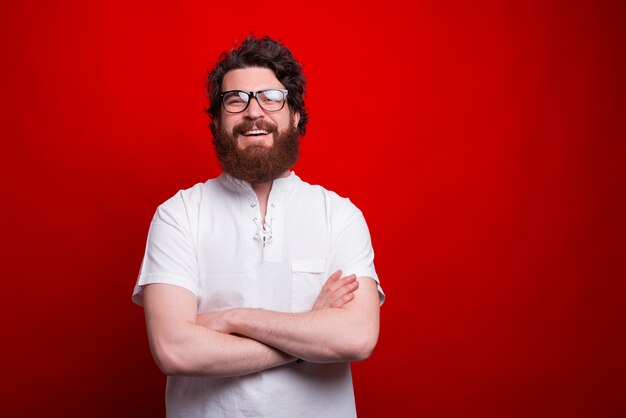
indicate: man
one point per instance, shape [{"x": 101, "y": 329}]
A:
[{"x": 259, "y": 288}]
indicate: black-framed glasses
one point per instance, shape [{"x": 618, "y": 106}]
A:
[{"x": 270, "y": 100}]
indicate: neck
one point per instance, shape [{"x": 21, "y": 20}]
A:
[{"x": 263, "y": 190}]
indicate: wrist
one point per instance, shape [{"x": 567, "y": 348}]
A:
[{"x": 235, "y": 320}]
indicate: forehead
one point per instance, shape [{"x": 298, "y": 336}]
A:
[{"x": 250, "y": 79}]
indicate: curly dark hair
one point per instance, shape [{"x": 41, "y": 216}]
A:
[{"x": 259, "y": 52}]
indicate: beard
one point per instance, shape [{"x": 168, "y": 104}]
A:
[{"x": 257, "y": 163}]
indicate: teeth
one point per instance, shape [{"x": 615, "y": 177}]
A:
[{"x": 256, "y": 132}]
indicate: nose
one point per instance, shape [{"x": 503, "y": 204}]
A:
[{"x": 254, "y": 110}]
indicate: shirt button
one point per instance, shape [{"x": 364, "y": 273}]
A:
[
  {"x": 252, "y": 205},
  {"x": 273, "y": 205}
]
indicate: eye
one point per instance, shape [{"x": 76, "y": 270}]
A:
[
  {"x": 272, "y": 96},
  {"x": 236, "y": 98}
]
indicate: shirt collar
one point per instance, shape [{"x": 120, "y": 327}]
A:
[{"x": 241, "y": 186}]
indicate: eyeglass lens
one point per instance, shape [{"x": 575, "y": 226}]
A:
[{"x": 237, "y": 101}]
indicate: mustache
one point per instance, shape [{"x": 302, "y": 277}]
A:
[{"x": 247, "y": 125}]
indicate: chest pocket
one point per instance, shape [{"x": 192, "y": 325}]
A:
[{"x": 308, "y": 277}]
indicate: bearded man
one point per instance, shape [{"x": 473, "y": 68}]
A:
[{"x": 259, "y": 288}]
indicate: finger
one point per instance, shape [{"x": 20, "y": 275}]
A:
[
  {"x": 343, "y": 300},
  {"x": 332, "y": 283},
  {"x": 339, "y": 294},
  {"x": 326, "y": 296},
  {"x": 334, "y": 277},
  {"x": 345, "y": 281},
  {"x": 349, "y": 279}
]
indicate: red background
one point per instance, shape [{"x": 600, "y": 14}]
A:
[{"x": 485, "y": 143}]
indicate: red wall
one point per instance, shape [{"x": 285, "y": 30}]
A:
[{"x": 485, "y": 143}]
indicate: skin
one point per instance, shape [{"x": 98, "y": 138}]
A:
[{"x": 342, "y": 325}]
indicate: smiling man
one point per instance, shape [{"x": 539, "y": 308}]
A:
[{"x": 259, "y": 289}]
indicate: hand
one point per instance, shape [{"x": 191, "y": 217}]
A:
[{"x": 336, "y": 292}]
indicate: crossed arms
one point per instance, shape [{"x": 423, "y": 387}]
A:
[{"x": 342, "y": 326}]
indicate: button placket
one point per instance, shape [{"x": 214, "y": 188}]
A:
[
  {"x": 274, "y": 216},
  {"x": 255, "y": 215}
]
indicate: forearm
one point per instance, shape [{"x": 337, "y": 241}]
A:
[
  {"x": 349, "y": 333},
  {"x": 196, "y": 351},
  {"x": 181, "y": 346},
  {"x": 320, "y": 336}
]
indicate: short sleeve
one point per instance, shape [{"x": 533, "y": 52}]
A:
[
  {"x": 351, "y": 247},
  {"x": 170, "y": 256}
]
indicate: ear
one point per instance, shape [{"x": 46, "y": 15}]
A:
[{"x": 296, "y": 119}]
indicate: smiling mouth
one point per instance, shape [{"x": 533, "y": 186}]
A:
[{"x": 255, "y": 132}]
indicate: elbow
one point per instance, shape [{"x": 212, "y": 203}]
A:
[
  {"x": 362, "y": 346},
  {"x": 364, "y": 350},
  {"x": 167, "y": 365},
  {"x": 167, "y": 360}
]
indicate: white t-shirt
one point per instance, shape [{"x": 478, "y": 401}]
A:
[{"x": 210, "y": 240}]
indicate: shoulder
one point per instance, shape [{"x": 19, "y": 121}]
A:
[
  {"x": 187, "y": 201},
  {"x": 338, "y": 207},
  {"x": 192, "y": 195}
]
